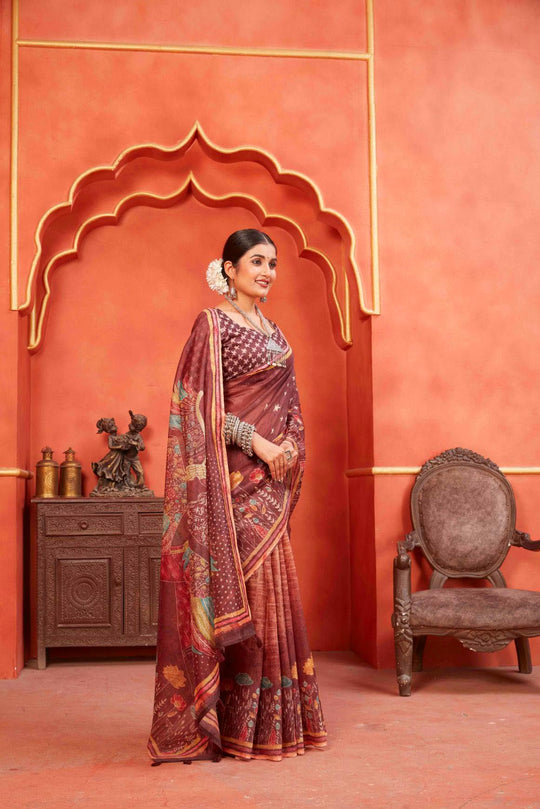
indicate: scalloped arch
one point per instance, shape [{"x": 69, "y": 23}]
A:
[{"x": 39, "y": 291}]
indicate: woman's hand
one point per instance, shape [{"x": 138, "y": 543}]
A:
[
  {"x": 291, "y": 453},
  {"x": 279, "y": 457}
]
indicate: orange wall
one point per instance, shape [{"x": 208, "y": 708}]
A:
[
  {"x": 118, "y": 320},
  {"x": 12, "y": 402},
  {"x": 120, "y": 313},
  {"x": 451, "y": 360},
  {"x": 455, "y": 353}
]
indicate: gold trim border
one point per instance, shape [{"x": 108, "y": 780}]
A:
[
  {"x": 367, "y": 57},
  {"x": 205, "y": 50},
  {"x": 247, "y": 153},
  {"x": 372, "y": 163},
  {"x": 14, "y": 472},
  {"x": 155, "y": 200},
  {"x": 366, "y": 471},
  {"x": 14, "y": 160}
]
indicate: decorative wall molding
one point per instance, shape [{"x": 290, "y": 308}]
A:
[
  {"x": 14, "y": 472},
  {"x": 367, "y": 471},
  {"x": 366, "y": 57},
  {"x": 14, "y": 160},
  {"x": 338, "y": 279},
  {"x": 206, "y": 50}
]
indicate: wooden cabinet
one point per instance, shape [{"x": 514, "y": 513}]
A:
[{"x": 96, "y": 569}]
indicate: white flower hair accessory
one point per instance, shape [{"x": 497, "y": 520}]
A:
[{"x": 214, "y": 276}]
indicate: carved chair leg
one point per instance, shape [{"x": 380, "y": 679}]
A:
[
  {"x": 419, "y": 644},
  {"x": 403, "y": 636},
  {"x": 404, "y": 656},
  {"x": 523, "y": 650}
]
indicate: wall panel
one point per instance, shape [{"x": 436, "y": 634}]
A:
[
  {"x": 455, "y": 359},
  {"x": 306, "y": 24},
  {"x": 118, "y": 319},
  {"x": 81, "y": 109}
]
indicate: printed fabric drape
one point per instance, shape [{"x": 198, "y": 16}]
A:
[{"x": 230, "y": 612}]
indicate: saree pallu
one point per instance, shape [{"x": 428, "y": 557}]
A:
[{"x": 234, "y": 671}]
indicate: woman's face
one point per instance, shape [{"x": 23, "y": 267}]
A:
[{"x": 255, "y": 272}]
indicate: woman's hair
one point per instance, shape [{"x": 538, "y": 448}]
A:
[{"x": 241, "y": 241}]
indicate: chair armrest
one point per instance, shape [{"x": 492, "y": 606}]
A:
[
  {"x": 523, "y": 540},
  {"x": 411, "y": 541}
]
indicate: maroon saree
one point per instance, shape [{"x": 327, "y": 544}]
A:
[{"x": 234, "y": 670}]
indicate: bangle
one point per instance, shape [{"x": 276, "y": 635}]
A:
[
  {"x": 231, "y": 425},
  {"x": 235, "y": 431},
  {"x": 246, "y": 439},
  {"x": 239, "y": 433}
]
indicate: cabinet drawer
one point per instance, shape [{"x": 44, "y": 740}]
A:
[
  {"x": 72, "y": 525},
  {"x": 151, "y": 523}
]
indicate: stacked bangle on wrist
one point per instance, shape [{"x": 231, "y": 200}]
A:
[
  {"x": 239, "y": 433},
  {"x": 246, "y": 438}
]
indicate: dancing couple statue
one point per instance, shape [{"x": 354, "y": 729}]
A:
[{"x": 120, "y": 471}]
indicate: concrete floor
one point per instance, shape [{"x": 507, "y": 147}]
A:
[{"x": 74, "y": 735}]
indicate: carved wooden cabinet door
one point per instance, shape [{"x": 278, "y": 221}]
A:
[
  {"x": 149, "y": 565},
  {"x": 85, "y": 590},
  {"x": 96, "y": 568}
]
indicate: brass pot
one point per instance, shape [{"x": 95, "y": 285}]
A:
[
  {"x": 47, "y": 475},
  {"x": 70, "y": 476}
]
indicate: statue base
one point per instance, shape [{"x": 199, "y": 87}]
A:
[{"x": 128, "y": 491}]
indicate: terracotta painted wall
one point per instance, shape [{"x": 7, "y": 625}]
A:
[
  {"x": 451, "y": 360},
  {"x": 455, "y": 354},
  {"x": 137, "y": 288},
  {"x": 13, "y": 404},
  {"x": 120, "y": 312}
]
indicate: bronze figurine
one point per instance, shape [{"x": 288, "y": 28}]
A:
[{"x": 114, "y": 470}]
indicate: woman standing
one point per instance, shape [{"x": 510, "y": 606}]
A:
[{"x": 234, "y": 671}]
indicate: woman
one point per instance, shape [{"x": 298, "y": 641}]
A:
[{"x": 234, "y": 671}]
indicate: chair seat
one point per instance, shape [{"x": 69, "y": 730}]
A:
[{"x": 475, "y": 608}]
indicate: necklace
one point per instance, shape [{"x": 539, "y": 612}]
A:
[{"x": 273, "y": 349}]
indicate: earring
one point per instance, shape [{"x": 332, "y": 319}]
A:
[
  {"x": 263, "y": 299},
  {"x": 233, "y": 293}
]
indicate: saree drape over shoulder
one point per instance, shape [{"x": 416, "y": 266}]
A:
[{"x": 234, "y": 670}]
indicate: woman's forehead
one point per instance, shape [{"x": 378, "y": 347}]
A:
[{"x": 263, "y": 249}]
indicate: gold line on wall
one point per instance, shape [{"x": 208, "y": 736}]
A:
[
  {"x": 209, "y": 50},
  {"x": 372, "y": 161},
  {"x": 245, "y": 153},
  {"x": 14, "y": 472},
  {"x": 14, "y": 161},
  {"x": 191, "y": 185},
  {"x": 366, "y": 471},
  {"x": 358, "y": 56}
]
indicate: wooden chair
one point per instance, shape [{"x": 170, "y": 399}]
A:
[{"x": 463, "y": 513}]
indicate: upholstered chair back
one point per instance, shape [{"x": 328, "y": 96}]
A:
[{"x": 464, "y": 516}]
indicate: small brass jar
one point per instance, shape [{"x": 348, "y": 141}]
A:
[
  {"x": 47, "y": 475},
  {"x": 70, "y": 476}
]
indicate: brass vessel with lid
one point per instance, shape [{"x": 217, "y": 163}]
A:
[
  {"x": 70, "y": 475},
  {"x": 47, "y": 475}
]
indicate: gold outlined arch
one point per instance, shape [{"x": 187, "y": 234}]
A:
[
  {"x": 37, "y": 314},
  {"x": 38, "y": 308}
]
